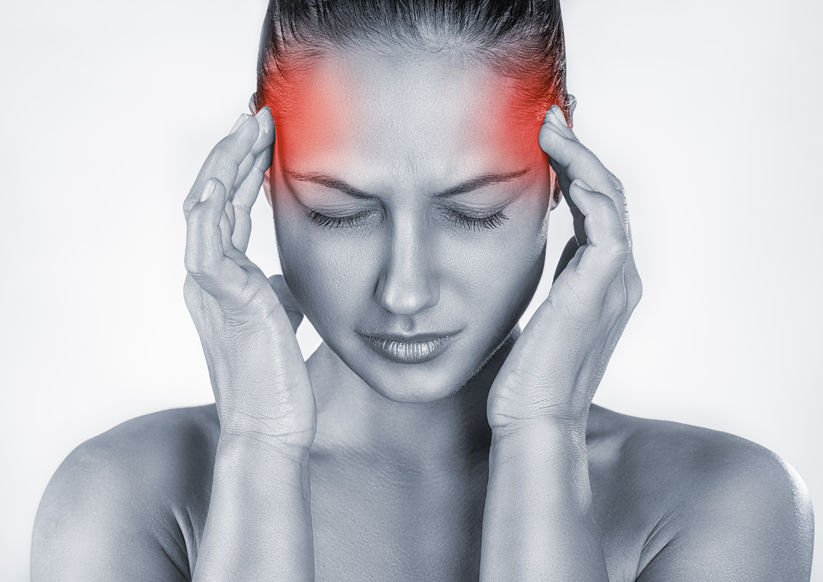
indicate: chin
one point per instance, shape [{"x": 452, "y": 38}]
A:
[
  {"x": 423, "y": 382},
  {"x": 408, "y": 391}
]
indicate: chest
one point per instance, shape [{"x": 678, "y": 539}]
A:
[
  {"x": 413, "y": 526},
  {"x": 373, "y": 527},
  {"x": 376, "y": 526}
]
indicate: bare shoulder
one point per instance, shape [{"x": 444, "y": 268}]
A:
[
  {"x": 128, "y": 503},
  {"x": 720, "y": 507}
]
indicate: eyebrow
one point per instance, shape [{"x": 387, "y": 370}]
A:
[{"x": 462, "y": 188}]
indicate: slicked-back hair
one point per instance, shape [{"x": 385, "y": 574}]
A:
[{"x": 521, "y": 39}]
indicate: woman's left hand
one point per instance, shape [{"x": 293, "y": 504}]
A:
[{"x": 555, "y": 366}]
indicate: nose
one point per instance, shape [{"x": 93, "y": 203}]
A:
[{"x": 407, "y": 282}]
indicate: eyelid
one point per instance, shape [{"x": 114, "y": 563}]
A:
[
  {"x": 476, "y": 212},
  {"x": 466, "y": 217},
  {"x": 327, "y": 221},
  {"x": 340, "y": 212},
  {"x": 487, "y": 221}
]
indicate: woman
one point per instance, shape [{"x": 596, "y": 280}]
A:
[{"x": 418, "y": 152}]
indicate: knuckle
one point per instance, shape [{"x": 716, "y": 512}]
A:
[
  {"x": 189, "y": 203},
  {"x": 191, "y": 291},
  {"x": 193, "y": 266},
  {"x": 199, "y": 263},
  {"x": 257, "y": 300},
  {"x": 616, "y": 246}
]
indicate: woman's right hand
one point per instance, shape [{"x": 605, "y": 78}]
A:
[{"x": 246, "y": 321}]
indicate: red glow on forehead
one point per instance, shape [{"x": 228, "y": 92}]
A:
[{"x": 397, "y": 114}]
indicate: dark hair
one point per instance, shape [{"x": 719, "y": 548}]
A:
[{"x": 522, "y": 39}]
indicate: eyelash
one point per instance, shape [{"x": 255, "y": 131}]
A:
[
  {"x": 476, "y": 223},
  {"x": 471, "y": 222},
  {"x": 333, "y": 221}
]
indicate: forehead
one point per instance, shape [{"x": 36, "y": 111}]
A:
[{"x": 425, "y": 115}]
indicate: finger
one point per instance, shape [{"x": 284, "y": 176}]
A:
[
  {"x": 205, "y": 258},
  {"x": 264, "y": 141},
  {"x": 607, "y": 248},
  {"x": 245, "y": 198},
  {"x": 577, "y": 220},
  {"x": 624, "y": 293},
  {"x": 225, "y": 229},
  {"x": 224, "y": 159},
  {"x": 565, "y": 256},
  {"x": 287, "y": 300},
  {"x": 571, "y": 160},
  {"x": 571, "y": 104}
]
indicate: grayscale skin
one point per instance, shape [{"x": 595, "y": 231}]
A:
[{"x": 487, "y": 462}]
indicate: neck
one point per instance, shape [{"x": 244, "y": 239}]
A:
[{"x": 355, "y": 421}]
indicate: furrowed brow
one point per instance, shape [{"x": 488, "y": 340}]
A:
[
  {"x": 479, "y": 182},
  {"x": 462, "y": 188}
]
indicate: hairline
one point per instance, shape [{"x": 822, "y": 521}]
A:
[{"x": 300, "y": 59}]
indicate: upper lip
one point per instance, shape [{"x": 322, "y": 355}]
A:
[{"x": 421, "y": 337}]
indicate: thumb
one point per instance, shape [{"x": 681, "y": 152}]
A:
[{"x": 287, "y": 300}]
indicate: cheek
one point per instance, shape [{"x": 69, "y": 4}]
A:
[
  {"x": 498, "y": 276},
  {"x": 328, "y": 279}
]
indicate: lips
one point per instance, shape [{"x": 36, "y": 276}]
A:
[{"x": 410, "y": 349}]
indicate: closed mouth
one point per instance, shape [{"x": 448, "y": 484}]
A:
[{"x": 415, "y": 349}]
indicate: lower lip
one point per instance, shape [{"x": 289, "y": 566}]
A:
[{"x": 409, "y": 352}]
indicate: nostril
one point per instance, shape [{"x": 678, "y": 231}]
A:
[
  {"x": 407, "y": 283},
  {"x": 407, "y": 297}
]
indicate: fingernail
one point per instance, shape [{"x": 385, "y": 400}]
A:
[
  {"x": 240, "y": 120},
  {"x": 260, "y": 112},
  {"x": 208, "y": 189},
  {"x": 559, "y": 116},
  {"x": 551, "y": 122}
]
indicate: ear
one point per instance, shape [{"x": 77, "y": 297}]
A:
[
  {"x": 253, "y": 103},
  {"x": 554, "y": 191},
  {"x": 267, "y": 185}
]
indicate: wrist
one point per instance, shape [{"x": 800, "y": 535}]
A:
[
  {"x": 546, "y": 460},
  {"x": 545, "y": 442},
  {"x": 253, "y": 447},
  {"x": 559, "y": 431}
]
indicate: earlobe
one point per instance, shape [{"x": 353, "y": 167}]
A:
[
  {"x": 554, "y": 200},
  {"x": 253, "y": 103},
  {"x": 554, "y": 191}
]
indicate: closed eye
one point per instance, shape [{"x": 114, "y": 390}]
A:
[
  {"x": 457, "y": 218},
  {"x": 326, "y": 221},
  {"x": 476, "y": 222}
]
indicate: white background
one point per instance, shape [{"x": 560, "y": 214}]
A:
[{"x": 708, "y": 110}]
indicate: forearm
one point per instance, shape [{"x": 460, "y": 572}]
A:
[
  {"x": 259, "y": 519},
  {"x": 539, "y": 521}
]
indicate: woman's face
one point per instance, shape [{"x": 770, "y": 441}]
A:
[{"x": 409, "y": 200}]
